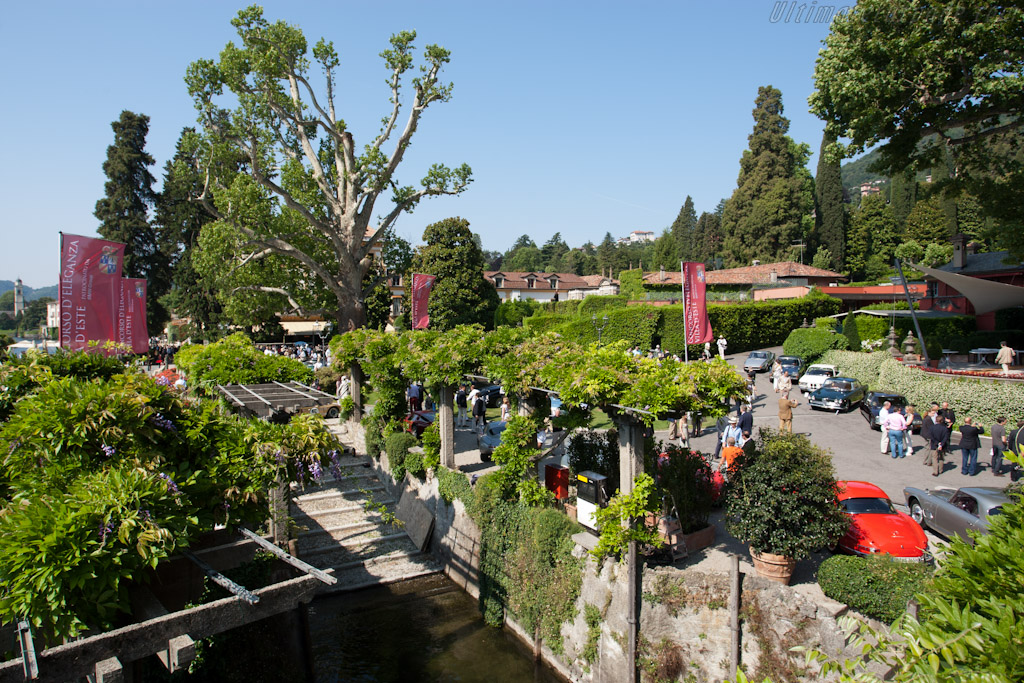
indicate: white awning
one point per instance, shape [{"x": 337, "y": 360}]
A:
[{"x": 985, "y": 295}]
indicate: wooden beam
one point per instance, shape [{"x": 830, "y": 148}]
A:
[
  {"x": 290, "y": 559},
  {"x": 128, "y": 644},
  {"x": 180, "y": 650},
  {"x": 109, "y": 671}
]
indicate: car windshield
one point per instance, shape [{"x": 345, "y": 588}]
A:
[
  {"x": 868, "y": 506},
  {"x": 758, "y": 354},
  {"x": 789, "y": 361},
  {"x": 818, "y": 371},
  {"x": 839, "y": 386}
]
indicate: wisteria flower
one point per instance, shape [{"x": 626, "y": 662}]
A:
[
  {"x": 145, "y": 515},
  {"x": 171, "y": 486},
  {"x": 300, "y": 473},
  {"x": 162, "y": 422},
  {"x": 106, "y": 529},
  {"x": 315, "y": 470},
  {"x": 108, "y": 451}
]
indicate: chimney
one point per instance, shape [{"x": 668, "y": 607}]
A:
[
  {"x": 959, "y": 250},
  {"x": 663, "y": 273},
  {"x": 756, "y": 262},
  {"x": 773, "y": 276},
  {"x": 972, "y": 248}
]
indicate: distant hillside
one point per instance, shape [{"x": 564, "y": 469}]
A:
[
  {"x": 856, "y": 172},
  {"x": 30, "y": 294}
]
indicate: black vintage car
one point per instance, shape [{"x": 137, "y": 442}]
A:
[
  {"x": 837, "y": 393},
  {"x": 872, "y": 404}
]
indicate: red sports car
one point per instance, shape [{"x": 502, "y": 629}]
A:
[
  {"x": 876, "y": 527},
  {"x": 418, "y": 421}
]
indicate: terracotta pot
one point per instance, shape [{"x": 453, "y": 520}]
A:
[
  {"x": 778, "y": 568},
  {"x": 700, "y": 539},
  {"x": 570, "y": 510}
]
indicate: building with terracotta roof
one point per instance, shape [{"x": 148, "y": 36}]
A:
[
  {"x": 782, "y": 272},
  {"x": 542, "y": 287}
]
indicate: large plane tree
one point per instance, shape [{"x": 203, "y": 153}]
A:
[{"x": 294, "y": 196}]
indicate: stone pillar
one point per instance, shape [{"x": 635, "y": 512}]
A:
[
  {"x": 631, "y": 464},
  {"x": 446, "y": 418}
]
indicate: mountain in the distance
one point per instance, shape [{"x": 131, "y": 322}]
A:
[{"x": 30, "y": 293}]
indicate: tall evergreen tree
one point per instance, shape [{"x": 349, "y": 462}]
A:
[
  {"x": 664, "y": 251},
  {"x": 769, "y": 209},
  {"x": 179, "y": 222},
  {"x": 552, "y": 251},
  {"x": 872, "y": 233},
  {"x": 682, "y": 231},
  {"x": 123, "y": 212},
  {"x": 903, "y": 196},
  {"x": 926, "y": 223},
  {"x": 709, "y": 231},
  {"x": 461, "y": 295},
  {"x": 830, "y": 211}
]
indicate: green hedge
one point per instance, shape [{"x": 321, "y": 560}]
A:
[
  {"x": 877, "y": 587},
  {"x": 936, "y": 331},
  {"x": 540, "y": 323},
  {"x": 636, "y": 324},
  {"x": 981, "y": 399},
  {"x": 599, "y": 305},
  {"x": 234, "y": 360},
  {"x": 452, "y": 484},
  {"x": 809, "y": 343},
  {"x": 862, "y": 366},
  {"x": 567, "y": 307},
  {"x": 748, "y": 326},
  {"x": 397, "y": 445}
]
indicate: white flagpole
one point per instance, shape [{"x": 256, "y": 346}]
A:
[{"x": 686, "y": 331}]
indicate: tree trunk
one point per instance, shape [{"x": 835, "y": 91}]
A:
[
  {"x": 356, "y": 390},
  {"x": 447, "y": 426}
]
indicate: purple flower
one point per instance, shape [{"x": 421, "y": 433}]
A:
[
  {"x": 315, "y": 471},
  {"x": 162, "y": 422},
  {"x": 279, "y": 455},
  {"x": 108, "y": 451},
  {"x": 105, "y": 529},
  {"x": 145, "y": 515},
  {"x": 335, "y": 464},
  {"x": 300, "y": 472},
  {"x": 163, "y": 381},
  {"x": 171, "y": 486}
]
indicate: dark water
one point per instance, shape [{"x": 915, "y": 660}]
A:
[{"x": 421, "y": 630}]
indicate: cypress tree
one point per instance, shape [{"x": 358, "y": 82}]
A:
[
  {"x": 682, "y": 231},
  {"x": 709, "y": 238},
  {"x": 178, "y": 221},
  {"x": 830, "y": 213},
  {"x": 124, "y": 211},
  {"x": 766, "y": 212},
  {"x": 903, "y": 196}
]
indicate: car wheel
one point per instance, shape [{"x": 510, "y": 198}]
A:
[
  {"x": 333, "y": 412},
  {"x": 917, "y": 513}
]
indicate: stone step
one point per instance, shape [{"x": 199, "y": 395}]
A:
[
  {"x": 383, "y": 569},
  {"x": 352, "y": 481},
  {"x": 357, "y": 550},
  {"x": 331, "y": 518},
  {"x": 349, "y": 535},
  {"x": 312, "y": 504}
]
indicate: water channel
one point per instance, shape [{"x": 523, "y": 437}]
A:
[{"x": 420, "y": 630}]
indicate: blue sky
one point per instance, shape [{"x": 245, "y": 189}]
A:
[{"x": 576, "y": 117}]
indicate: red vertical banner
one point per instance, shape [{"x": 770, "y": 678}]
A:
[
  {"x": 698, "y": 325},
  {"x": 90, "y": 290},
  {"x": 131, "y": 316},
  {"x": 421, "y": 286}
]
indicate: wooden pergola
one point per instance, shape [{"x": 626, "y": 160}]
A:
[{"x": 276, "y": 398}]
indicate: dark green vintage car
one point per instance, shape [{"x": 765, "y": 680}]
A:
[{"x": 837, "y": 393}]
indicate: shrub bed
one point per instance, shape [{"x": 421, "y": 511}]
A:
[
  {"x": 234, "y": 360},
  {"x": 637, "y": 325},
  {"x": 862, "y": 366},
  {"x": 938, "y": 332},
  {"x": 397, "y": 445},
  {"x": 877, "y": 587},
  {"x": 810, "y": 343}
]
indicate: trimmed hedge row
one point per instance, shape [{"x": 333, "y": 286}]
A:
[
  {"x": 810, "y": 343},
  {"x": 539, "y": 323},
  {"x": 636, "y": 324},
  {"x": 599, "y": 305},
  {"x": 567, "y": 307},
  {"x": 936, "y": 331},
  {"x": 877, "y": 587},
  {"x": 983, "y": 400}
]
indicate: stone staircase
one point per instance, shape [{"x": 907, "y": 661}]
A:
[{"x": 340, "y": 527}]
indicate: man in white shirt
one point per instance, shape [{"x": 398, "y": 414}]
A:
[
  {"x": 895, "y": 424},
  {"x": 883, "y": 414}
]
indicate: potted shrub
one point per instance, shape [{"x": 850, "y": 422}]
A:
[
  {"x": 784, "y": 504},
  {"x": 685, "y": 484}
]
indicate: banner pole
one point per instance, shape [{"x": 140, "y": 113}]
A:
[{"x": 686, "y": 327}]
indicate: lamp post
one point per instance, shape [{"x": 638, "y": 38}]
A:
[{"x": 599, "y": 328}]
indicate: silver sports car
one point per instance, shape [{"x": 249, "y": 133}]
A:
[{"x": 954, "y": 513}]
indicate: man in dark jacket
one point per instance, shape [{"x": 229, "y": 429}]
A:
[
  {"x": 939, "y": 438},
  {"x": 999, "y": 444},
  {"x": 947, "y": 413},
  {"x": 969, "y": 445},
  {"x": 927, "y": 422},
  {"x": 746, "y": 421}
]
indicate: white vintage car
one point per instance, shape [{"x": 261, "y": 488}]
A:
[{"x": 816, "y": 376}]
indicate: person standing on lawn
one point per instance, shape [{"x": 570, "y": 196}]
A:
[{"x": 969, "y": 445}]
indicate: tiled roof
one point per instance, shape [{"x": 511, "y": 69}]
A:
[
  {"x": 517, "y": 279},
  {"x": 990, "y": 262},
  {"x": 747, "y": 275}
]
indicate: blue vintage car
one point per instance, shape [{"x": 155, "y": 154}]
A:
[
  {"x": 837, "y": 393},
  {"x": 792, "y": 366}
]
